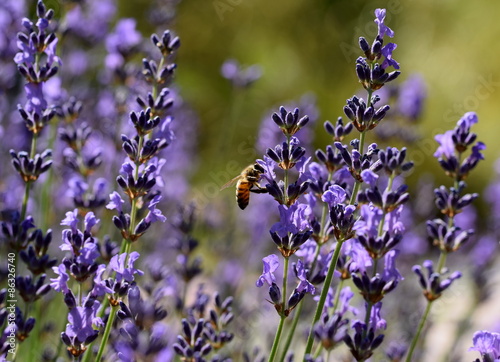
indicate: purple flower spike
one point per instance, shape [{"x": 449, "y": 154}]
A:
[
  {"x": 382, "y": 28},
  {"x": 117, "y": 263},
  {"x": 271, "y": 263}
]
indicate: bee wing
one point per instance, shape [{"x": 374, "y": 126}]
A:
[{"x": 230, "y": 183}]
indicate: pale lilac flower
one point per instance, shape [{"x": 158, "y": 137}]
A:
[
  {"x": 60, "y": 284},
  {"x": 382, "y": 28},
  {"x": 271, "y": 263},
  {"x": 117, "y": 263}
]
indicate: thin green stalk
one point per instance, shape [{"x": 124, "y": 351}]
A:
[
  {"x": 298, "y": 310},
  {"x": 297, "y": 313},
  {"x": 441, "y": 261},
  {"x": 318, "y": 351},
  {"x": 419, "y": 330},
  {"x": 279, "y": 332},
  {"x": 107, "y": 332},
  {"x": 292, "y": 329},
  {"x": 337, "y": 294},
  {"x": 355, "y": 191},
  {"x": 26, "y": 197},
  {"x": 324, "y": 293},
  {"x": 277, "y": 337}
]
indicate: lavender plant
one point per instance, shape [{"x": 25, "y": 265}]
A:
[{"x": 138, "y": 286}]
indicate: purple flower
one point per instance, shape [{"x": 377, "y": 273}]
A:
[
  {"x": 293, "y": 219},
  {"x": 382, "y": 28},
  {"x": 240, "y": 77},
  {"x": 100, "y": 288},
  {"x": 369, "y": 177},
  {"x": 88, "y": 254},
  {"x": 467, "y": 120},
  {"x": 81, "y": 320},
  {"x": 71, "y": 220},
  {"x": 116, "y": 202},
  {"x": 154, "y": 213},
  {"x": 370, "y": 218},
  {"x": 302, "y": 276},
  {"x": 90, "y": 221},
  {"x": 60, "y": 284},
  {"x": 36, "y": 100},
  {"x": 387, "y": 53},
  {"x": 121, "y": 42},
  {"x": 269, "y": 165},
  {"x": 488, "y": 344},
  {"x": 117, "y": 263},
  {"x": 360, "y": 260},
  {"x": 377, "y": 322},
  {"x": 390, "y": 271},
  {"x": 446, "y": 147},
  {"x": 271, "y": 263},
  {"x": 334, "y": 195},
  {"x": 412, "y": 94},
  {"x": 346, "y": 294}
]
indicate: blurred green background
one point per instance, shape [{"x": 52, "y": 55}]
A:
[{"x": 311, "y": 46}]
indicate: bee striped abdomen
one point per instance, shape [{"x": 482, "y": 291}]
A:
[{"x": 243, "y": 193}]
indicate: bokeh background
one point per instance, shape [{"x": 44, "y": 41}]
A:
[{"x": 311, "y": 46}]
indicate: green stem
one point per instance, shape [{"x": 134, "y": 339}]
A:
[
  {"x": 26, "y": 197},
  {"x": 277, "y": 337},
  {"x": 107, "y": 332},
  {"x": 318, "y": 351},
  {"x": 279, "y": 332},
  {"x": 337, "y": 294},
  {"x": 322, "y": 298},
  {"x": 291, "y": 332},
  {"x": 419, "y": 330},
  {"x": 441, "y": 261}
]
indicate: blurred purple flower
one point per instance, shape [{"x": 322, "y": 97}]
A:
[
  {"x": 411, "y": 97},
  {"x": 240, "y": 77}
]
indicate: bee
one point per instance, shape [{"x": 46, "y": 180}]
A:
[{"x": 247, "y": 181}]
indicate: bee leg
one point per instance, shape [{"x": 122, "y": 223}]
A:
[{"x": 259, "y": 190}]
